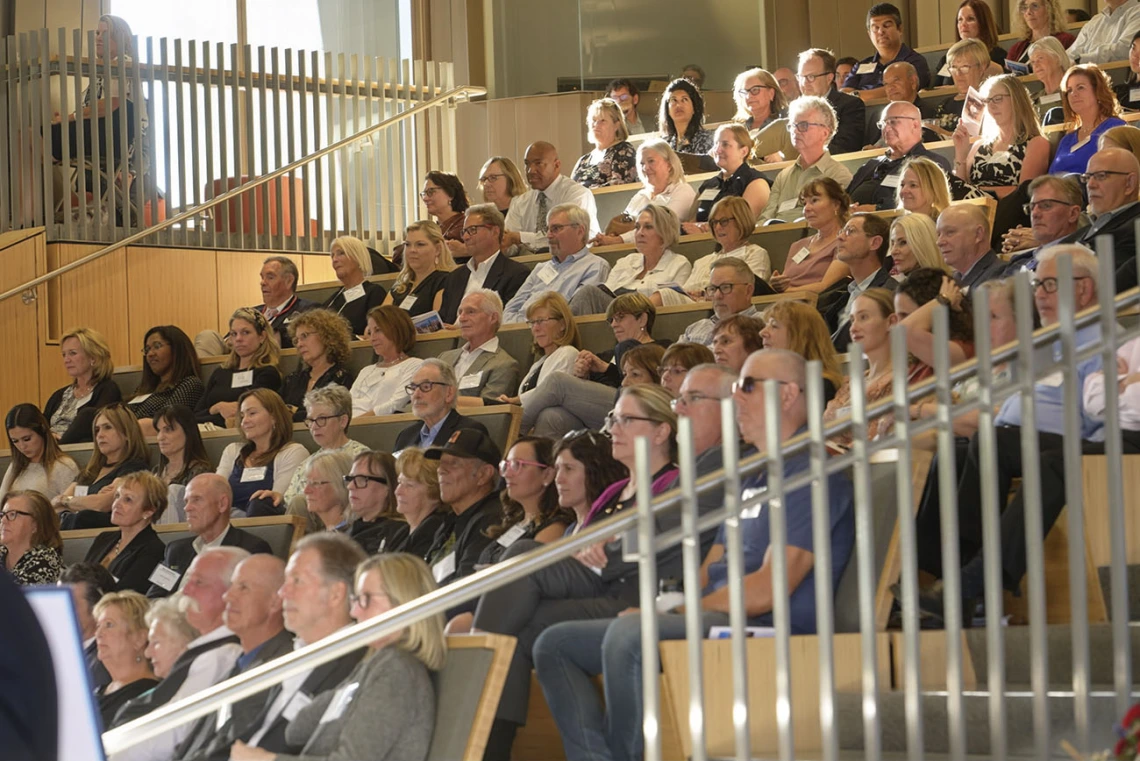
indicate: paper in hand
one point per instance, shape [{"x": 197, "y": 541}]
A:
[{"x": 972, "y": 112}]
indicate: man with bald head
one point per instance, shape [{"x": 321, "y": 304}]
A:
[
  {"x": 900, "y": 81},
  {"x": 209, "y": 499},
  {"x": 964, "y": 240},
  {"x": 1113, "y": 181},
  {"x": 876, "y": 182},
  {"x": 527, "y": 218}
]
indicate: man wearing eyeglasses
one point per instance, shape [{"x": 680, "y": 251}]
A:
[
  {"x": 208, "y": 503},
  {"x": 730, "y": 289},
  {"x": 486, "y": 267},
  {"x": 876, "y": 182},
  {"x": 862, "y": 245},
  {"x": 817, "y": 77},
  {"x": 433, "y": 391},
  {"x": 527, "y": 219},
  {"x": 625, "y": 92},
  {"x": 1054, "y": 211},
  {"x": 811, "y": 123},
  {"x": 884, "y": 27}
]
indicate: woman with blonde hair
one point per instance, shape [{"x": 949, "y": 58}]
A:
[
  {"x": 1090, "y": 109},
  {"x": 1039, "y": 20},
  {"x": 663, "y": 183},
  {"x": 132, "y": 553},
  {"x": 613, "y": 160},
  {"x": 501, "y": 182},
  {"x": 967, "y": 61},
  {"x": 427, "y": 261},
  {"x": 265, "y": 456},
  {"x": 923, "y": 187},
  {"x": 1127, "y": 138},
  {"x": 252, "y": 363},
  {"x": 1049, "y": 62},
  {"x": 357, "y": 295},
  {"x": 121, "y": 640},
  {"x": 418, "y": 500},
  {"x": 732, "y": 145},
  {"x": 1011, "y": 150},
  {"x": 759, "y": 99},
  {"x": 914, "y": 244},
  {"x": 71, "y": 409},
  {"x": 326, "y": 494},
  {"x": 556, "y": 343},
  {"x": 732, "y": 222},
  {"x": 119, "y": 449},
  {"x": 799, "y": 327}
]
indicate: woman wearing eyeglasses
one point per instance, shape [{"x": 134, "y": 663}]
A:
[
  {"x": 30, "y": 545},
  {"x": 1131, "y": 86},
  {"x": 678, "y": 360},
  {"x": 322, "y": 341},
  {"x": 1011, "y": 150},
  {"x": 357, "y": 295},
  {"x": 252, "y": 363},
  {"x": 613, "y": 160},
  {"x": 371, "y": 484},
  {"x": 445, "y": 198},
  {"x": 1039, "y": 19},
  {"x": 556, "y": 344},
  {"x": 731, "y": 147},
  {"x": 1090, "y": 109},
  {"x": 501, "y": 182},
  {"x": 759, "y": 99},
  {"x": 732, "y": 223},
  {"x": 427, "y": 261},
  {"x": 265, "y": 457},
  {"x": 968, "y": 61},
  {"x": 379, "y": 388}
]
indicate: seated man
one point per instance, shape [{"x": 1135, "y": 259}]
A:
[
  {"x": 1113, "y": 181},
  {"x": 1055, "y": 204},
  {"x": 571, "y": 264},
  {"x": 817, "y": 77},
  {"x": 485, "y": 370},
  {"x": 884, "y": 27},
  {"x": 279, "y": 280},
  {"x": 786, "y": 79},
  {"x": 487, "y": 265},
  {"x": 812, "y": 122},
  {"x": 964, "y": 240},
  {"x": 209, "y": 500},
  {"x": 876, "y": 183},
  {"x": 1107, "y": 36},
  {"x": 88, "y": 583},
  {"x": 527, "y": 221},
  {"x": 568, "y": 655},
  {"x": 434, "y": 391},
  {"x": 731, "y": 285},
  {"x": 900, "y": 81},
  {"x": 625, "y": 92},
  {"x": 862, "y": 245}
]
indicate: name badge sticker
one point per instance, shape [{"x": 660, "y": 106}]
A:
[
  {"x": 408, "y": 303},
  {"x": 470, "y": 381},
  {"x": 339, "y": 702},
  {"x": 82, "y": 491},
  {"x": 802, "y": 254},
  {"x": 164, "y": 577},
  {"x": 253, "y": 474},
  {"x": 787, "y": 205},
  {"x": 443, "y": 568},
  {"x": 242, "y": 379},
  {"x": 512, "y": 535},
  {"x": 709, "y": 194},
  {"x": 547, "y": 273},
  {"x": 866, "y": 68},
  {"x": 891, "y": 181},
  {"x": 353, "y": 293}
]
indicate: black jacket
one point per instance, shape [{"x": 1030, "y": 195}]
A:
[
  {"x": 105, "y": 392},
  {"x": 135, "y": 563},
  {"x": 220, "y": 388},
  {"x": 29, "y": 712},
  {"x": 468, "y": 531},
  {"x": 419, "y": 542},
  {"x": 852, "y": 115},
  {"x": 989, "y": 267},
  {"x": 281, "y": 322},
  {"x": 380, "y": 535},
  {"x": 505, "y": 277},
  {"x": 1122, "y": 228},
  {"x": 410, "y": 436},
  {"x": 869, "y": 184},
  {"x": 356, "y": 311},
  {"x": 180, "y": 553},
  {"x": 833, "y": 301}
]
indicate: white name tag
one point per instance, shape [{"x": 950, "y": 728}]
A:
[
  {"x": 803, "y": 253},
  {"x": 408, "y": 303},
  {"x": 253, "y": 474},
  {"x": 866, "y": 68},
  {"x": 81, "y": 491},
  {"x": 547, "y": 273},
  {"x": 470, "y": 381},
  {"x": 293, "y": 707},
  {"x": 512, "y": 535},
  {"x": 339, "y": 702},
  {"x": 242, "y": 379},
  {"x": 1056, "y": 97},
  {"x": 164, "y": 577},
  {"x": 443, "y": 568},
  {"x": 945, "y": 71},
  {"x": 787, "y": 205},
  {"x": 140, "y": 399},
  {"x": 353, "y": 293},
  {"x": 1133, "y": 94},
  {"x": 1052, "y": 381},
  {"x": 222, "y": 717},
  {"x": 891, "y": 181},
  {"x": 709, "y": 194}
]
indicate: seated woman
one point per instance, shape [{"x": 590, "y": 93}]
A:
[
  {"x": 38, "y": 464},
  {"x": 652, "y": 267},
  {"x": 732, "y": 223},
  {"x": 613, "y": 160},
  {"x": 1011, "y": 149},
  {"x": 418, "y": 500},
  {"x": 967, "y": 61},
  {"x": 1049, "y": 62},
  {"x": 181, "y": 456},
  {"x": 631, "y": 317},
  {"x": 31, "y": 549},
  {"x": 252, "y": 363},
  {"x": 132, "y": 552},
  {"x": 596, "y": 583},
  {"x": 762, "y": 107},
  {"x": 1090, "y": 110},
  {"x": 678, "y": 360},
  {"x": 322, "y": 342},
  {"x": 445, "y": 198},
  {"x": 914, "y": 244},
  {"x": 663, "y": 183},
  {"x": 169, "y": 634},
  {"x": 556, "y": 344},
  {"x": 119, "y": 450},
  {"x": 121, "y": 639},
  {"x": 734, "y": 338},
  {"x": 170, "y": 375},
  {"x": 923, "y": 187},
  {"x": 799, "y": 327},
  {"x": 371, "y": 485},
  {"x": 501, "y": 182},
  {"x": 811, "y": 264},
  {"x": 915, "y": 301},
  {"x": 357, "y": 295},
  {"x": 326, "y": 495},
  {"x": 682, "y": 117},
  {"x": 329, "y": 412},
  {"x": 386, "y": 708},
  {"x": 379, "y": 388},
  {"x": 584, "y": 467},
  {"x": 71, "y": 409},
  {"x": 1126, "y": 89},
  {"x": 974, "y": 21},
  {"x": 1039, "y": 20},
  {"x": 427, "y": 261},
  {"x": 264, "y": 457},
  {"x": 731, "y": 149}
]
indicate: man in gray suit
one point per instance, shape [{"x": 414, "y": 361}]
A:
[{"x": 484, "y": 369}]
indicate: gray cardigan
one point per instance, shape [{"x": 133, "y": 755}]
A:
[{"x": 390, "y": 715}]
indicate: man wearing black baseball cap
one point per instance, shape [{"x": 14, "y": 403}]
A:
[{"x": 468, "y": 475}]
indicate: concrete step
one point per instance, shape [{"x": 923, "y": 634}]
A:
[{"x": 1019, "y": 655}]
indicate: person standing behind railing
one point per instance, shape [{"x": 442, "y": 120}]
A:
[{"x": 568, "y": 655}]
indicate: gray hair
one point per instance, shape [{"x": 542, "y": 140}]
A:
[
  {"x": 725, "y": 375},
  {"x": 490, "y": 215},
  {"x": 805, "y": 103},
  {"x": 665, "y": 151},
  {"x": 1053, "y": 47},
  {"x": 336, "y": 396},
  {"x": 339, "y": 557},
  {"x": 492, "y": 302},
  {"x": 233, "y": 556},
  {"x": 796, "y": 363},
  {"x": 446, "y": 371},
  {"x": 333, "y": 467},
  {"x": 578, "y": 216},
  {"x": 288, "y": 267},
  {"x": 1083, "y": 259},
  {"x": 170, "y": 611},
  {"x": 1067, "y": 187},
  {"x": 737, "y": 265}
]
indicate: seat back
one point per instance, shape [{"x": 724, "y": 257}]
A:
[{"x": 467, "y": 692}]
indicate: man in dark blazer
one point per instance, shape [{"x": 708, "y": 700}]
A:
[
  {"x": 433, "y": 401},
  {"x": 29, "y": 710},
  {"x": 1113, "y": 190},
  {"x": 279, "y": 279},
  {"x": 817, "y": 77},
  {"x": 964, "y": 240},
  {"x": 876, "y": 182},
  {"x": 488, "y": 266},
  {"x": 209, "y": 499},
  {"x": 862, "y": 246}
]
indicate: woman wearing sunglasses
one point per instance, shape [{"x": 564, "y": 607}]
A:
[{"x": 372, "y": 496}]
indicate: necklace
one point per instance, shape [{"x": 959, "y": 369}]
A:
[{"x": 399, "y": 358}]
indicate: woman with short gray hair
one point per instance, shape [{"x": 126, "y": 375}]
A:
[{"x": 663, "y": 183}]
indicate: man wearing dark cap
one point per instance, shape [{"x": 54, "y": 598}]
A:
[{"x": 468, "y": 474}]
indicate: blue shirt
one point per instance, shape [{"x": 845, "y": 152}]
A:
[
  {"x": 245, "y": 659},
  {"x": 1048, "y": 394},
  {"x": 1070, "y": 159},
  {"x": 871, "y": 80},
  {"x": 428, "y": 433},
  {"x": 756, "y": 539},
  {"x": 566, "y": 277}
]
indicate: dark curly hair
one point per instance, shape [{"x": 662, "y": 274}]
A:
[
  {"x": 922, "y": 285},
  {"x": 452, "y": 186},
  {"x": 665, "y": 122},
  {"x": 595, "y": 451},
  {"x": 548, "y": 508}
]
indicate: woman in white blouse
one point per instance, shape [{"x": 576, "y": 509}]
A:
[
  {"x": 379, "y": 388},
  {"x": 556, "y": 343},
  {"x": 661, "y": 173},
  {"x": 37, "y": 464}
]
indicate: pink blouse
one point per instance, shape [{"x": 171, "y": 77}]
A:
[{"x": 812, "y": 268}]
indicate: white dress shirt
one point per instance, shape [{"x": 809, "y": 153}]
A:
[
  {"x": 468, "y": 355},
  {"x": 523, "y": 214},
  {"x": 478, "y": 272},
  {"x": 560, "y": 360},
  {"x": 681, "y": 197},
  {"x": 672, "y": 268},
  {"x": 1129, "y": 398},
  {"x": 1107, "y": 36}
]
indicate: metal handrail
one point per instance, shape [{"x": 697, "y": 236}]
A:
[
  {"x": 464, "y": 91},
  {"x": 624, "y": 523}
]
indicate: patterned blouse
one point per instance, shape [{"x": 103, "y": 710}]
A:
[
  {"x": 701, "y": 143},
  {"x": 877, "y": 388},
  {"x": 992, "y": 169},
  {"x": 63, "y": 417},
  {"x": 188, "y": 391},
  {"x": 617, "y": 166},
  {"x": 949, "y": 113},
  {"x": 39, "y": 565}
]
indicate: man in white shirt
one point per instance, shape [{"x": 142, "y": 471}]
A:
[
  {"x": 527, "y": 219},
  {"x": 484, "y": 369},
  {"x": 1107, "y": 36}
]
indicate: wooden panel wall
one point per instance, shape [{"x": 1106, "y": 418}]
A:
[
  {"x": 192, "y": 305},
  {"x": 238, "y": 282},
  {"x": 19, "y": 372}
]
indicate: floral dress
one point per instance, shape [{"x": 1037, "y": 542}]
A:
[
  {"x": 39, "y": 565},
  {"x": 701, "y": 143},
  {"x": 617, "y": 167},
  {"x": 995, "y": 169}
]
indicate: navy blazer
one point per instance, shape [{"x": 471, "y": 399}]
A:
[
  {"x": 852, "y": 115},
  {"x": 989, "y": 267},
  {"x": 410, "y": 436}
]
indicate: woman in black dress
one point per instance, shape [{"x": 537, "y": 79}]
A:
[
  {"x": 120, "y": 636},
  {"x": 427, "y": 261}
]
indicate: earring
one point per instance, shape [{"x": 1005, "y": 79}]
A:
[{"x": 138, "y": 659}]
